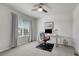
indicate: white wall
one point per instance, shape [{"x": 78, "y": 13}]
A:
[
  {"x": 76, "y": 28},
  {"x": 34, "y": 30},
  {"x": 63, "y": 22},
  {"x": 5, "y": 28}
]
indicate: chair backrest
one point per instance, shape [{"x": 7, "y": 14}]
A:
[{"x": 42, "y": 35}]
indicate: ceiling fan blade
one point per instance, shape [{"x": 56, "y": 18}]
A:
[
  {"x": 45, "y": 10},
  {"x": 34, "y": 9},
  {"x": 36, "y": 5},
  {"x": 39, "y": 4}
]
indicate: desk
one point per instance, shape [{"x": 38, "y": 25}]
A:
[{"x": 56, "y": 37}]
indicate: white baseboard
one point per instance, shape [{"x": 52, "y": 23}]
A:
[{"x": 4, "y": 49}]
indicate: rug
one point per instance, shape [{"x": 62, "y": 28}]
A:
[{"x": 46, "y": 47}]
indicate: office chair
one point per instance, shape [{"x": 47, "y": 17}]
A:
[{"x": 44, "y": 37}]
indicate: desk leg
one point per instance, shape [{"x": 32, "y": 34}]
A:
[{"x": 56, "y": 41}]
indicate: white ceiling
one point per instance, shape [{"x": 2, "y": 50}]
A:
[{"x": 53, "y": 8}]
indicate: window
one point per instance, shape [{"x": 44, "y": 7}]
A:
[{"x": 23, "y": 27}]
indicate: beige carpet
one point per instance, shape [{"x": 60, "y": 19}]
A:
[{"x": 31, "y": 50}]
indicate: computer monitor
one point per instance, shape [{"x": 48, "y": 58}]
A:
[{"x": 48, "y": 30}]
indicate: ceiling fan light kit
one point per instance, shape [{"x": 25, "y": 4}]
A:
[{"x": 40, "y": 8}]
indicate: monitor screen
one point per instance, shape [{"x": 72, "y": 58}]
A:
[{"x": 48, "y": 30}]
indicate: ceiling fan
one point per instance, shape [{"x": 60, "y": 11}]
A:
[{"x": 40, "y": 7}]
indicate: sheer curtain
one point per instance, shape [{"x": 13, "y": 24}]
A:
[{"x": 24, "y": 31}]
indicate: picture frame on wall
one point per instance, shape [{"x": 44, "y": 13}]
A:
[{"x": 49, "y": 25}]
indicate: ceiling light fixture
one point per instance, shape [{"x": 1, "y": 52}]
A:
[{"x": 40, "y": 9}]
